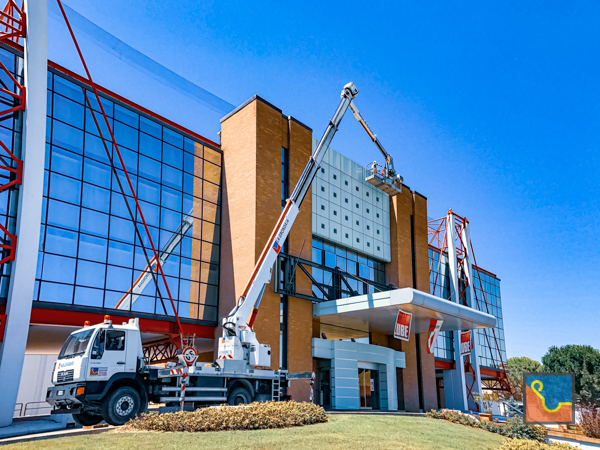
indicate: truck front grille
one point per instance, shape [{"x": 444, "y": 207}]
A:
[{"x": 64, "y": 376}]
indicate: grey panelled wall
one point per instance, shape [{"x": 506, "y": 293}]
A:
[
  {"x": 348, "y": 210},
  {"x": 346, "y": 357}
]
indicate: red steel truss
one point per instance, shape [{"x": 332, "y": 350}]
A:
[
  {"x": 438, "y": 241},
  {"x": 12, "y": 21},
  {"x": 12, "y": 28}
]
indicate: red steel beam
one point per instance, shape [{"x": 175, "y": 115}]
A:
[
  {"x": 446, "y": 365},
  {"x": 43, "y": 316}
]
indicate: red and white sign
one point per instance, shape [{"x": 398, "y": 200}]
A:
[
  {"x": 190, "y": 355},
  {"x": 435, "y": 325},
  {"x": 466, "y": 343},
  {"x": 402, "y": 328}
]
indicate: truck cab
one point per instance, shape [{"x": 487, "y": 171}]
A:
[{"x": 97, "y": 374}]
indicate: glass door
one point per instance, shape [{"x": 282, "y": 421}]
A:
[{"x": 368, "y": 381}]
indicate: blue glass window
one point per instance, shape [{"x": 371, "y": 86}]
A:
[
  {"x": 68, "y": 111},
  {"x": 56, "y": 293},
  {"x": 92, "y": 248},
  {"x": 66, "y": 163},
  {"x": 66, "y": 136},
  {"x": 150, "y": 146},
  {"x": 65, "y": 188},
  {"x": 89, "y": 297},
  {"x": 68, "y": 89},
  {"x": 90, "y": 274},
  {"x": 63, "y": 215},
  {"x": 95, "y": 197},
  {"x": 58, "y": 268},
  {"x": 93, "y": 222},
  {"x": 150, "y": 127},
  {"x": 173, "y": 138},
  {"x": 61, "y": 242},
  {"x": 126, "y": 136}
]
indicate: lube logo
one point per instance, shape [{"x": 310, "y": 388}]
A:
[
  {"x": 402, "y": 327},
  {"x": 465, "y": 343}
]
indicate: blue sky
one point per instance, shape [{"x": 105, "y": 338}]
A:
[{"x": 491, "y": 110}]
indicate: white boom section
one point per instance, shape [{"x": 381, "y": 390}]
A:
[
  {"x": 387, "y": 179},
  {"x": 146, "y": 276},
  {"x": 241, "y": 318}
]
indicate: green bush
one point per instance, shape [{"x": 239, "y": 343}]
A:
[
  {"x": 514, "y": 428},
  {"x": 255, "y": 416},
  {"x": 527, "y": 444}
]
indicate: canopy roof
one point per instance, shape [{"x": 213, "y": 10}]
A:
[{"x": 377, "y": 312}]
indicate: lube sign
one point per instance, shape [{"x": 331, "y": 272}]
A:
[
  {"x": 465, "y": 343},
  {"x": 402, "y": 328}
]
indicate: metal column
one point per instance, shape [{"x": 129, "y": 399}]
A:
[
  {"x": 468, "y": 267},
  {"x": 459, "y": 385},
  {"x": 20, "y": 294}
]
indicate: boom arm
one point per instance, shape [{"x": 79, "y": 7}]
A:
[{"x": 241, "y": 318}]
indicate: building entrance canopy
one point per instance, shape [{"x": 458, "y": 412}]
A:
[{"x": 377, "y": 312}]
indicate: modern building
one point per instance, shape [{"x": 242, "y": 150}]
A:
[{"x": 75, "y": 248}]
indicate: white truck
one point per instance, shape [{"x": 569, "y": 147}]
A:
[{"x": 101, "y": 372}]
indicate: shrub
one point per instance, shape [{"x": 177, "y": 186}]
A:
[
  {"x": 256, "y": 416},
  {"x": 514, "y": 428},
  {"x": 527, "y": 444},
  {"x": 590, "y": 420}
]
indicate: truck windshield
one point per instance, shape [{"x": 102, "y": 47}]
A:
[{"x": 76, "y": 344}]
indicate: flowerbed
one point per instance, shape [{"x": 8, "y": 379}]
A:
[
  {"x": 255, "y": 416},
  {"x": 527, "y": 444},
  {"x": 514, "y": 428}
]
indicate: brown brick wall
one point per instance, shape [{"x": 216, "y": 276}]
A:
[
  {"x": 251, "y": 140},
  {"x": 300, "y": 332},
  {"x": 400, "y": 273}
]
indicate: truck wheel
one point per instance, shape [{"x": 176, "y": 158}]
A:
[
  {"x": 239, "y": 396},
  {"x": 86, "y": 420},
  {"x": 121, "y": 405}
]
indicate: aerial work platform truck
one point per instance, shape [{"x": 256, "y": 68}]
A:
[{"x": 101, "y": 372}]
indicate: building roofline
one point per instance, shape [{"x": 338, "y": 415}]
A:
[{"x": 113, "y": 95}]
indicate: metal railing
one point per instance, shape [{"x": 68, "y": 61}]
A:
[
  {"x": 339, "y": 284},
  {"x": 23, "y": 409}
]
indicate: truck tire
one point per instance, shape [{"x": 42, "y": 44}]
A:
[
  {"x": 239, "y": 396},
  {"x": 86, "y": 420},
  {"x": 121, "y": 405}
]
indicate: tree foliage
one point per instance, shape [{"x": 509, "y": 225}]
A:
[
  {"x": 515, "y": 368},
  {"x": 584, "y": 362}
]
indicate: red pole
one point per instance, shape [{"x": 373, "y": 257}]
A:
[{"x": 114, "y": 141}]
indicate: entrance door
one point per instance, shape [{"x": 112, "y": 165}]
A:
[
  {"x": 368, "y": 382},
  {"x": 324, "y": 388}
]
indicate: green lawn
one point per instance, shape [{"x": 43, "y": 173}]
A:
[{"x": 341, "y": 432}]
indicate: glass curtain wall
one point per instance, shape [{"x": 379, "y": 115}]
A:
[
  {"x": 440, "y": 287},
  {"x": 90, "y": 255},
  {"x": 354, "y": 263}
]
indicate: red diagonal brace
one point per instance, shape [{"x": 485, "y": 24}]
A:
[{"x": 114, "y": 141}]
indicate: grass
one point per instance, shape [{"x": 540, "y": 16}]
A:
[{"x": 341, "y": 432}]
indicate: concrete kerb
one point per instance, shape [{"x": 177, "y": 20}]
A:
[{"x": 52, "y": 434}]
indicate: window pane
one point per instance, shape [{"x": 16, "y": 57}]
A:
[
  {"x": 68, "y": 111},
  {"x": 67, "y": 137},
  {"x": 65, "y": 189},
  {"x": 58, "y": 268},
  {"x": 126, "y": 136},
  {"x": 91, "y": 247},
  {"x": 56, "y": 293},
  {"x": 150, "y": 146},
  {"x": 66, "y": 163},
  {"x": 90, "y": 274},
  {"x": 63, "y": 215},
  {"x": 61, "y": 242}
]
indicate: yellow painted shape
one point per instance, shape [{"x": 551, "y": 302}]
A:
[{"x": 539, "y": 394}]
